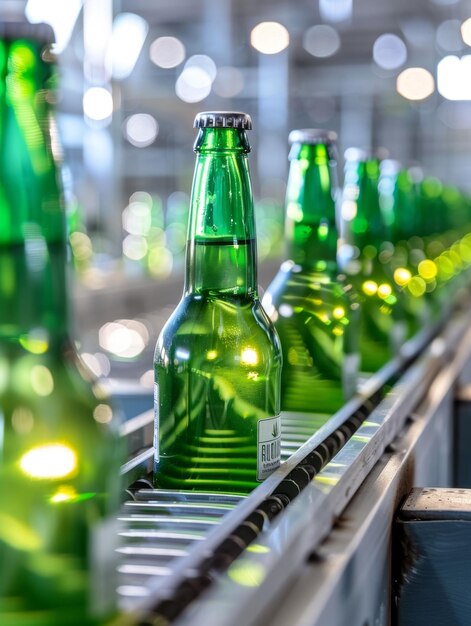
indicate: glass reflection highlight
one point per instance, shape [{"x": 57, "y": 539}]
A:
[{"x": 49, "y": 461}]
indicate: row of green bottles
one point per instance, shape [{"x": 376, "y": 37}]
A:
[
  {"x": 59, "y": 449},
  {"x": 344, "y": 302},
  {"x": 430, "y": 236}
]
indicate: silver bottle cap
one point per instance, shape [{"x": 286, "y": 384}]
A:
[{"x": 223, "y": 119}]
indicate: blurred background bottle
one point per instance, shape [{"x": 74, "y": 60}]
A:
[
  {"x": 397, "y": 205},
  {"x": 366, "y": 255},
  {"x": 428, "y": 266},
  {"x": 59, "y": 450},
  {"x": 442, "y": 215},
  {"x": 218, "y": 359},
  {"x": 314, "y": 311}
]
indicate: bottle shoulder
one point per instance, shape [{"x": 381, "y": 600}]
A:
[{"x": 208, "y": 322}]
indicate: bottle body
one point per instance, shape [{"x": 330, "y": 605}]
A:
[
  {"x": 59, "y": 451},
  {"x": 218, "y": 360},
  {"x": 217, "y": 390},
  {"x": 396, "y": 200},
  {"x": 383, "y": 326},
  {"x": 313, "y": 310},
  {"x": 317, "y": 320},
  {"x": 57, "y": 498},
  {"x": 433, "y": 258}
]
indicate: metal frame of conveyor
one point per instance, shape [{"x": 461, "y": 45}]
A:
[{"x": 295, "y": 550}]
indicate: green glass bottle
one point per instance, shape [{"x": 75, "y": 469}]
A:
[
  {"x": 421, "y": 276},
  {"x": 411, "y": 271},
  {"x": 218, "y": 358},
  {"x": 429, "y": 254},
  {"x": 59, "y": 451},
  {"x": 365, "y": 233},
  {"x": 313, "y": 309}
]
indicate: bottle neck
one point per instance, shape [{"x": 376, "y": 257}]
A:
[
  {"x": 311, "y": 227},
  {"x": 32, "y": 219},
  {"x": 221, "y": 248}
]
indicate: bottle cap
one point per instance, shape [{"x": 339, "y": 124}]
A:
[
  {"x": 11, "y": 30},
  {"x": 223, "y": 119},
  {"x": 312, "y": 136}
]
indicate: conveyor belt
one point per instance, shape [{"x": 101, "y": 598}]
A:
[
  {"x": 175, "y": 545},
  {"x": 161, "y": 526}
]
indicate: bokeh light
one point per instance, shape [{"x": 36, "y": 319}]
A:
[
  {"x": 98, "y": 104},
  {"x": 402, "y": 276},
  {"x": 128, "y": 37},
  {"x": 193, "y": 84},
  {"x": 453, "y": 77},
  {"x": 335, "y": 10},
  {"x": 60, "y": 14},
  {"x": 125, "y": 339},
  {"x": 321, "y": 41},
  {"x": 42, "y": 381},
  {"x": 98, "y": 363},
  {"x": 137, "y": 218},
  {"x": 167, "y": 52},
  {"x": 160, "y": 261},
  {"x": 389, "y": 51},
  {"x": 49, "y": 461},
  {"x": 141, "y": 129},
  {"x": 81, "y": 245},
  {"x": 427, "y": 269},
  {"x": 147, "y": 379},
  {"x": 415, "y": 83},
  {"x": 269, "y": 37},
  {"x": 205, "y": 63},
  {"x": 466, "y": 31},
  {"x": 135, "y": 247},
  {"x": 249, "y": 356},
  {"x": 103, "y": 414},
  {"x": 369, "y": 287}
]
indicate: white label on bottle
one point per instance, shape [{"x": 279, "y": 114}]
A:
[
  {"x": 268, "y": 446},
  {"x": 103, "y": 566},
  {"x": 156, "y": 421}
]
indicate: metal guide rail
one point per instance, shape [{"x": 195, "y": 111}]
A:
[{"x": 176, "y": 544}]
